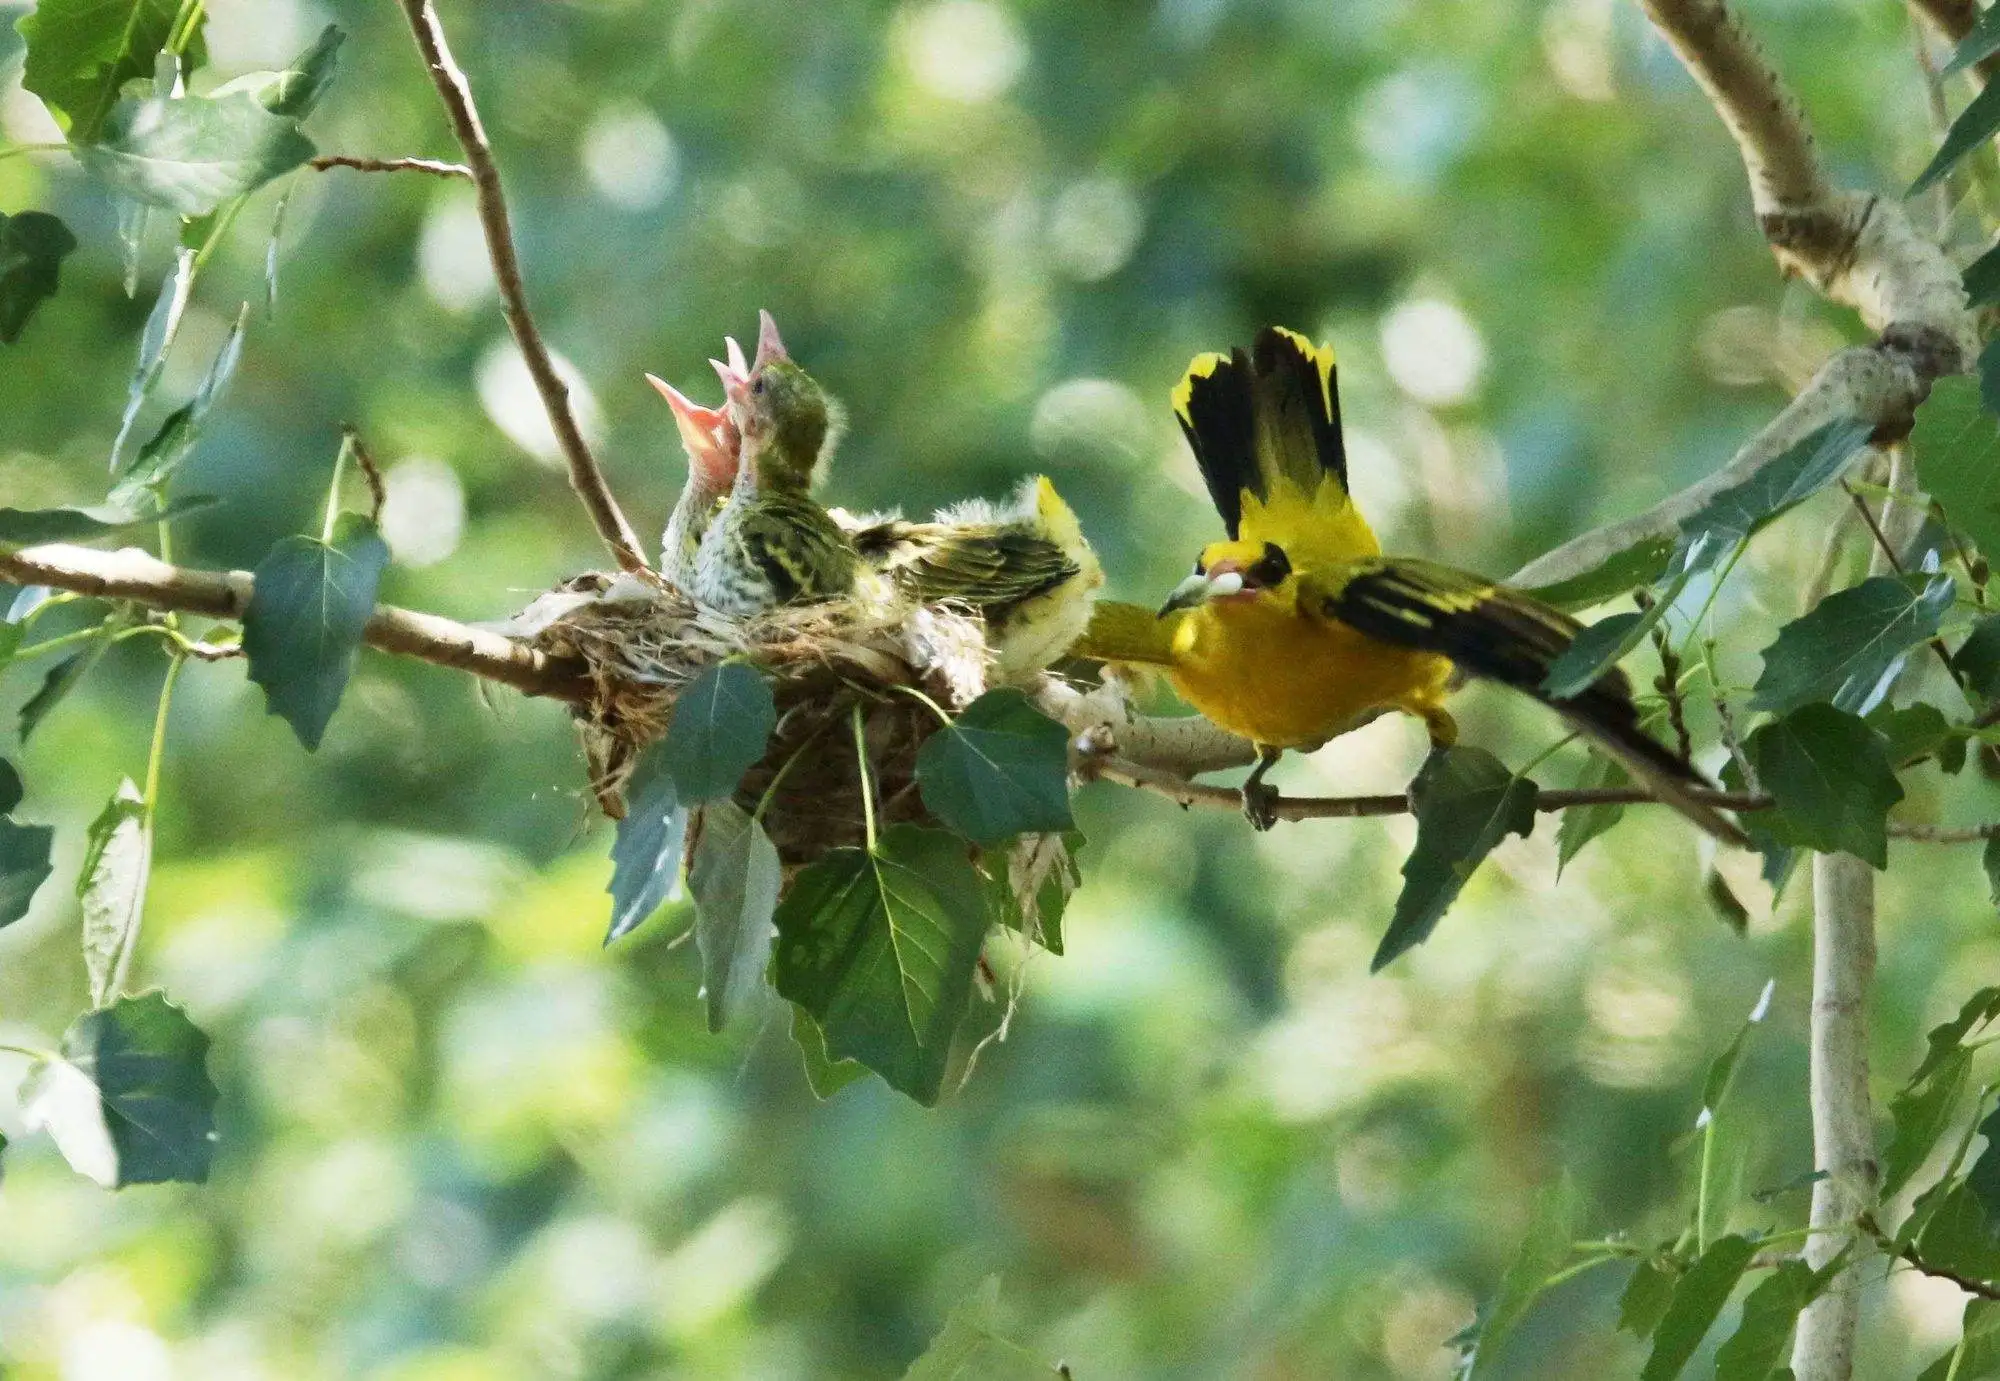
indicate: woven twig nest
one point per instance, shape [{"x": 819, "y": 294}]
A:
[{"x": 644, "y": 642}]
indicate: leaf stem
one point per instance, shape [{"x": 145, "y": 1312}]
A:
[
  {"x": 867, "y": 782},
  {"x": 936, "y": 708},
  {"x": 156, "y": 755},
  {"x": 185, "y": 23},
  {"x": 1702, "y": 1182},
  {"x": 46, "y": 1056},
  {"x": 333, "y": 489}
]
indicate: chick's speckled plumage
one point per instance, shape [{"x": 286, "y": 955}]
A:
[{"x": 772, "y": 544}]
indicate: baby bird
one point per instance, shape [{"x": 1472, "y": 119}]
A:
[
  {"x": 711, "y": 443},
  {"x": 771, "y": 544},
  {"x": 1024, "y": 565}
]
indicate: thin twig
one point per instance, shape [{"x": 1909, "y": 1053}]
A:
[
  {"x": 378, "y": 492},
  {"x": 433, "y": 166},
  {"x": 584, "y": 475}
]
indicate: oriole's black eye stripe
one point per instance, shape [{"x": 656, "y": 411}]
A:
[
  {"x": 1200, "y": 566},
  {"x": 1272, "y": 567}
]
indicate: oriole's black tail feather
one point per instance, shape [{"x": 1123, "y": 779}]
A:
[
  {"x": 1506, "y": 636},
  {"x": 1253, "y": 416}
]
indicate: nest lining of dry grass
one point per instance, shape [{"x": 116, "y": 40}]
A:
[{"x": 644, "y": 642}]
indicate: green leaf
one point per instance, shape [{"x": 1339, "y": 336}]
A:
[
  {"x": 296, "y": 90},
  {"x": 824, "y": 1075},
  {"x": 1978, "y": 658},
  {"x": 1756, "y": 1350},
  {"x": 1466, "y": 802},
  {"x": 24, "y": 866},
  {"x": 163, "y": 323},
  {"x": 1830, "y": 780},
  {"x": 62, "y": 678},
  {"x": 1973, "y": 127},
  {"x": 302, "y": 629},
  {"x": 1922, "y": 1113},
  {"x": 33, "y": 245},
  {"x": 193, "y": 154},
  {"x": 130, "y": 1102},
  {"x": 1647, "y": 1295},
  {"x": 1598, "y": 647},
  {"x": 1722, "y": 1069},
  {"x": 970, "y": 1347},
  {"x": 11, "y": 787},
  {"x": 1913, "y": 733},
  {"x": 646, "y": 851},
  {"x": 1982, "y": 279},
  {"x": 1638, "y": 565},
  {"x": 734, "y": 875},
  {"x": 1543, "y": 1252},
  {"x": 1804, "y": 468},
  {"x": 880, "y": 945},
  {"x": 1959, "y": 1238},
  {"x": 81, "y": 52},
  {"x": 29, "y": 527},
  {"x": 1981, "y": 41},
  {"x": 1945, "y": 1038},
  {"x": 1581, "y": 824},
  {"x": 1957, "y": 446},
  {"x": 154, "y": 466},
  {"x": 1850, "y": 646},
  {"x": 1001, "y": 769},
  {"x": 1979, "y": 1342},
  {"x": 721, "y": 725},
  {"x": 117, "y": 861},
  {"x": 1983, "y": 1179},
  {"x": 1697, "y": 1302}
]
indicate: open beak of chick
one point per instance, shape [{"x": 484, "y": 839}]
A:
[
  {"x": 707, "y": 433},
  {"x": 769, "y": 345},
  {"x": 1223, "y": 580}
]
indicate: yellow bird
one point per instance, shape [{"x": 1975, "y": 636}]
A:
[
  {"x": 1024, "y": 565},
  {"x": 1297, "y": 629}
]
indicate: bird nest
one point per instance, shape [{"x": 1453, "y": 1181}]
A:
[{"x": 644, "y": 642}]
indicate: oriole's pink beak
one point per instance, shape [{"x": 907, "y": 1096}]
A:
[
  {"x": 735, "y": 373},
  {"x": 769, "y": 346}
]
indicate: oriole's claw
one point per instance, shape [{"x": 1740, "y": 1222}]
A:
[{"x": 1260, "y": 805}]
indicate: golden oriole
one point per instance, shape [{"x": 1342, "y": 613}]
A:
[
  {"x": 711, "y": 443},
  {"x": 1297, "y": 629}
]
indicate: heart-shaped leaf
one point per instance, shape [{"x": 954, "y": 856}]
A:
[
  {"x": 302, "y": 629},
  {"x": 722, "y": 722},
  {"x": 82, "y": 52},
  {"x": 193, "y": 154},
  {"x": 130, "y": 1101},
  {"x": 1466, "y": 802},
  {"x": 879, "y": 946},
  {"x": 1001, "y": 769}
]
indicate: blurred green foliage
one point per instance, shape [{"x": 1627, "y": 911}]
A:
[{"x": 460, "y": 1140}]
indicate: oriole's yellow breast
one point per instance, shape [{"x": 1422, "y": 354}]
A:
[{"x": 1258, "y": 668}]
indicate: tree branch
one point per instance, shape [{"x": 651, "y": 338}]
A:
[
  {"x": 131, "y": 574},
  {"x": 584, "y": 476},
  {"x": 1858, "y": 250},
  {"x": 390, "y": 165}
]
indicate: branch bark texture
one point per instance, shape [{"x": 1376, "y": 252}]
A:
[
  {"x": 584, "y": 475},
  {"x": 131, "y": 574}
]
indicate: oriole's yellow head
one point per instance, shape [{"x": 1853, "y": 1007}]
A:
[{"x": 1233, "y": 571}]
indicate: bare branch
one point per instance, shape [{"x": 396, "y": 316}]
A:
[
  {"x": 1769, "y": 128},
  {"x": 131, "y": 574},
  {"x": 390, "y": 165},
  {"x": 584, "y": 475}
]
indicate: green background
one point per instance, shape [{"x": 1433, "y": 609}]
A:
[{"x": 462, "y": 1141}]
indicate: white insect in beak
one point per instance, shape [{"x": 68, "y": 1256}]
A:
[{"x": 1226, "y": 584}]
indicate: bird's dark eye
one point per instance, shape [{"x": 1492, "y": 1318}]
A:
[
  {"x": 1200, "y": 566},
  {"x": 1272, "y": 567},
  {"x": 757, "y": 385}
]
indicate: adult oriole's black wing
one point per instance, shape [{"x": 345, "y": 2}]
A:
[{"x": 1491, "y": 631}]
